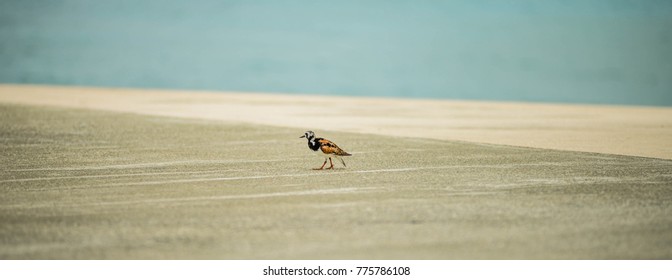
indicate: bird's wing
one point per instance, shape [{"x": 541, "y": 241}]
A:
[{"x": 329, "y": 148}]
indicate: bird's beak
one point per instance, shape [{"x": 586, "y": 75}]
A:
[{"x": 302, "y": 136}]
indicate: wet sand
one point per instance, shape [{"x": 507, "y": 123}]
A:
[
  {"x": 622, "y": 130},
  {"x": 95, "y": 184}
]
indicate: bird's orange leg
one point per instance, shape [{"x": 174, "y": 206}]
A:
[
  {"x": 332, "y": 164},
  {"x": 325, "y": 163}
]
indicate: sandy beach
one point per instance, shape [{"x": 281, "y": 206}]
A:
[
  {"x": 621, "y": 130},
  {"x": 138, "y": 174}
]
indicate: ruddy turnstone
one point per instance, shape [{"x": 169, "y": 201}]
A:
[{"x": 325, "y": 148}]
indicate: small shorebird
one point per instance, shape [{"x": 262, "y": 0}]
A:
[{"x": 325, "y": 148}]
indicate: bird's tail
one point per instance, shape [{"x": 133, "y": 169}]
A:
[{"x": 344, "y": 153}]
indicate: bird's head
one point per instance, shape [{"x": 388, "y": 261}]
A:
[{"x": 308, "y": 134}]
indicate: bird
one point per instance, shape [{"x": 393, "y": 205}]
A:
[{"x": 325, "y": 148}]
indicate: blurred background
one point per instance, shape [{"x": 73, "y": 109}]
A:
[{"x": 572, "y": 51}]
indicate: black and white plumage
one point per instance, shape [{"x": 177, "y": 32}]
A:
[{"x": 325, "y": 148}]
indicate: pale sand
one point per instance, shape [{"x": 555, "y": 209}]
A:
[
  {"x": 90, "y": 184},
  {"x": 623, "y": 130}
]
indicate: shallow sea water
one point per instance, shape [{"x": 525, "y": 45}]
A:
[{"x": 605, "y": 52}]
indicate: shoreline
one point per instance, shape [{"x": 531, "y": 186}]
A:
[{"x": 608, "y": 129}]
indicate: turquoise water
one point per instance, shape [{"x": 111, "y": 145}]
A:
[{"x": 605, "y": 52}]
